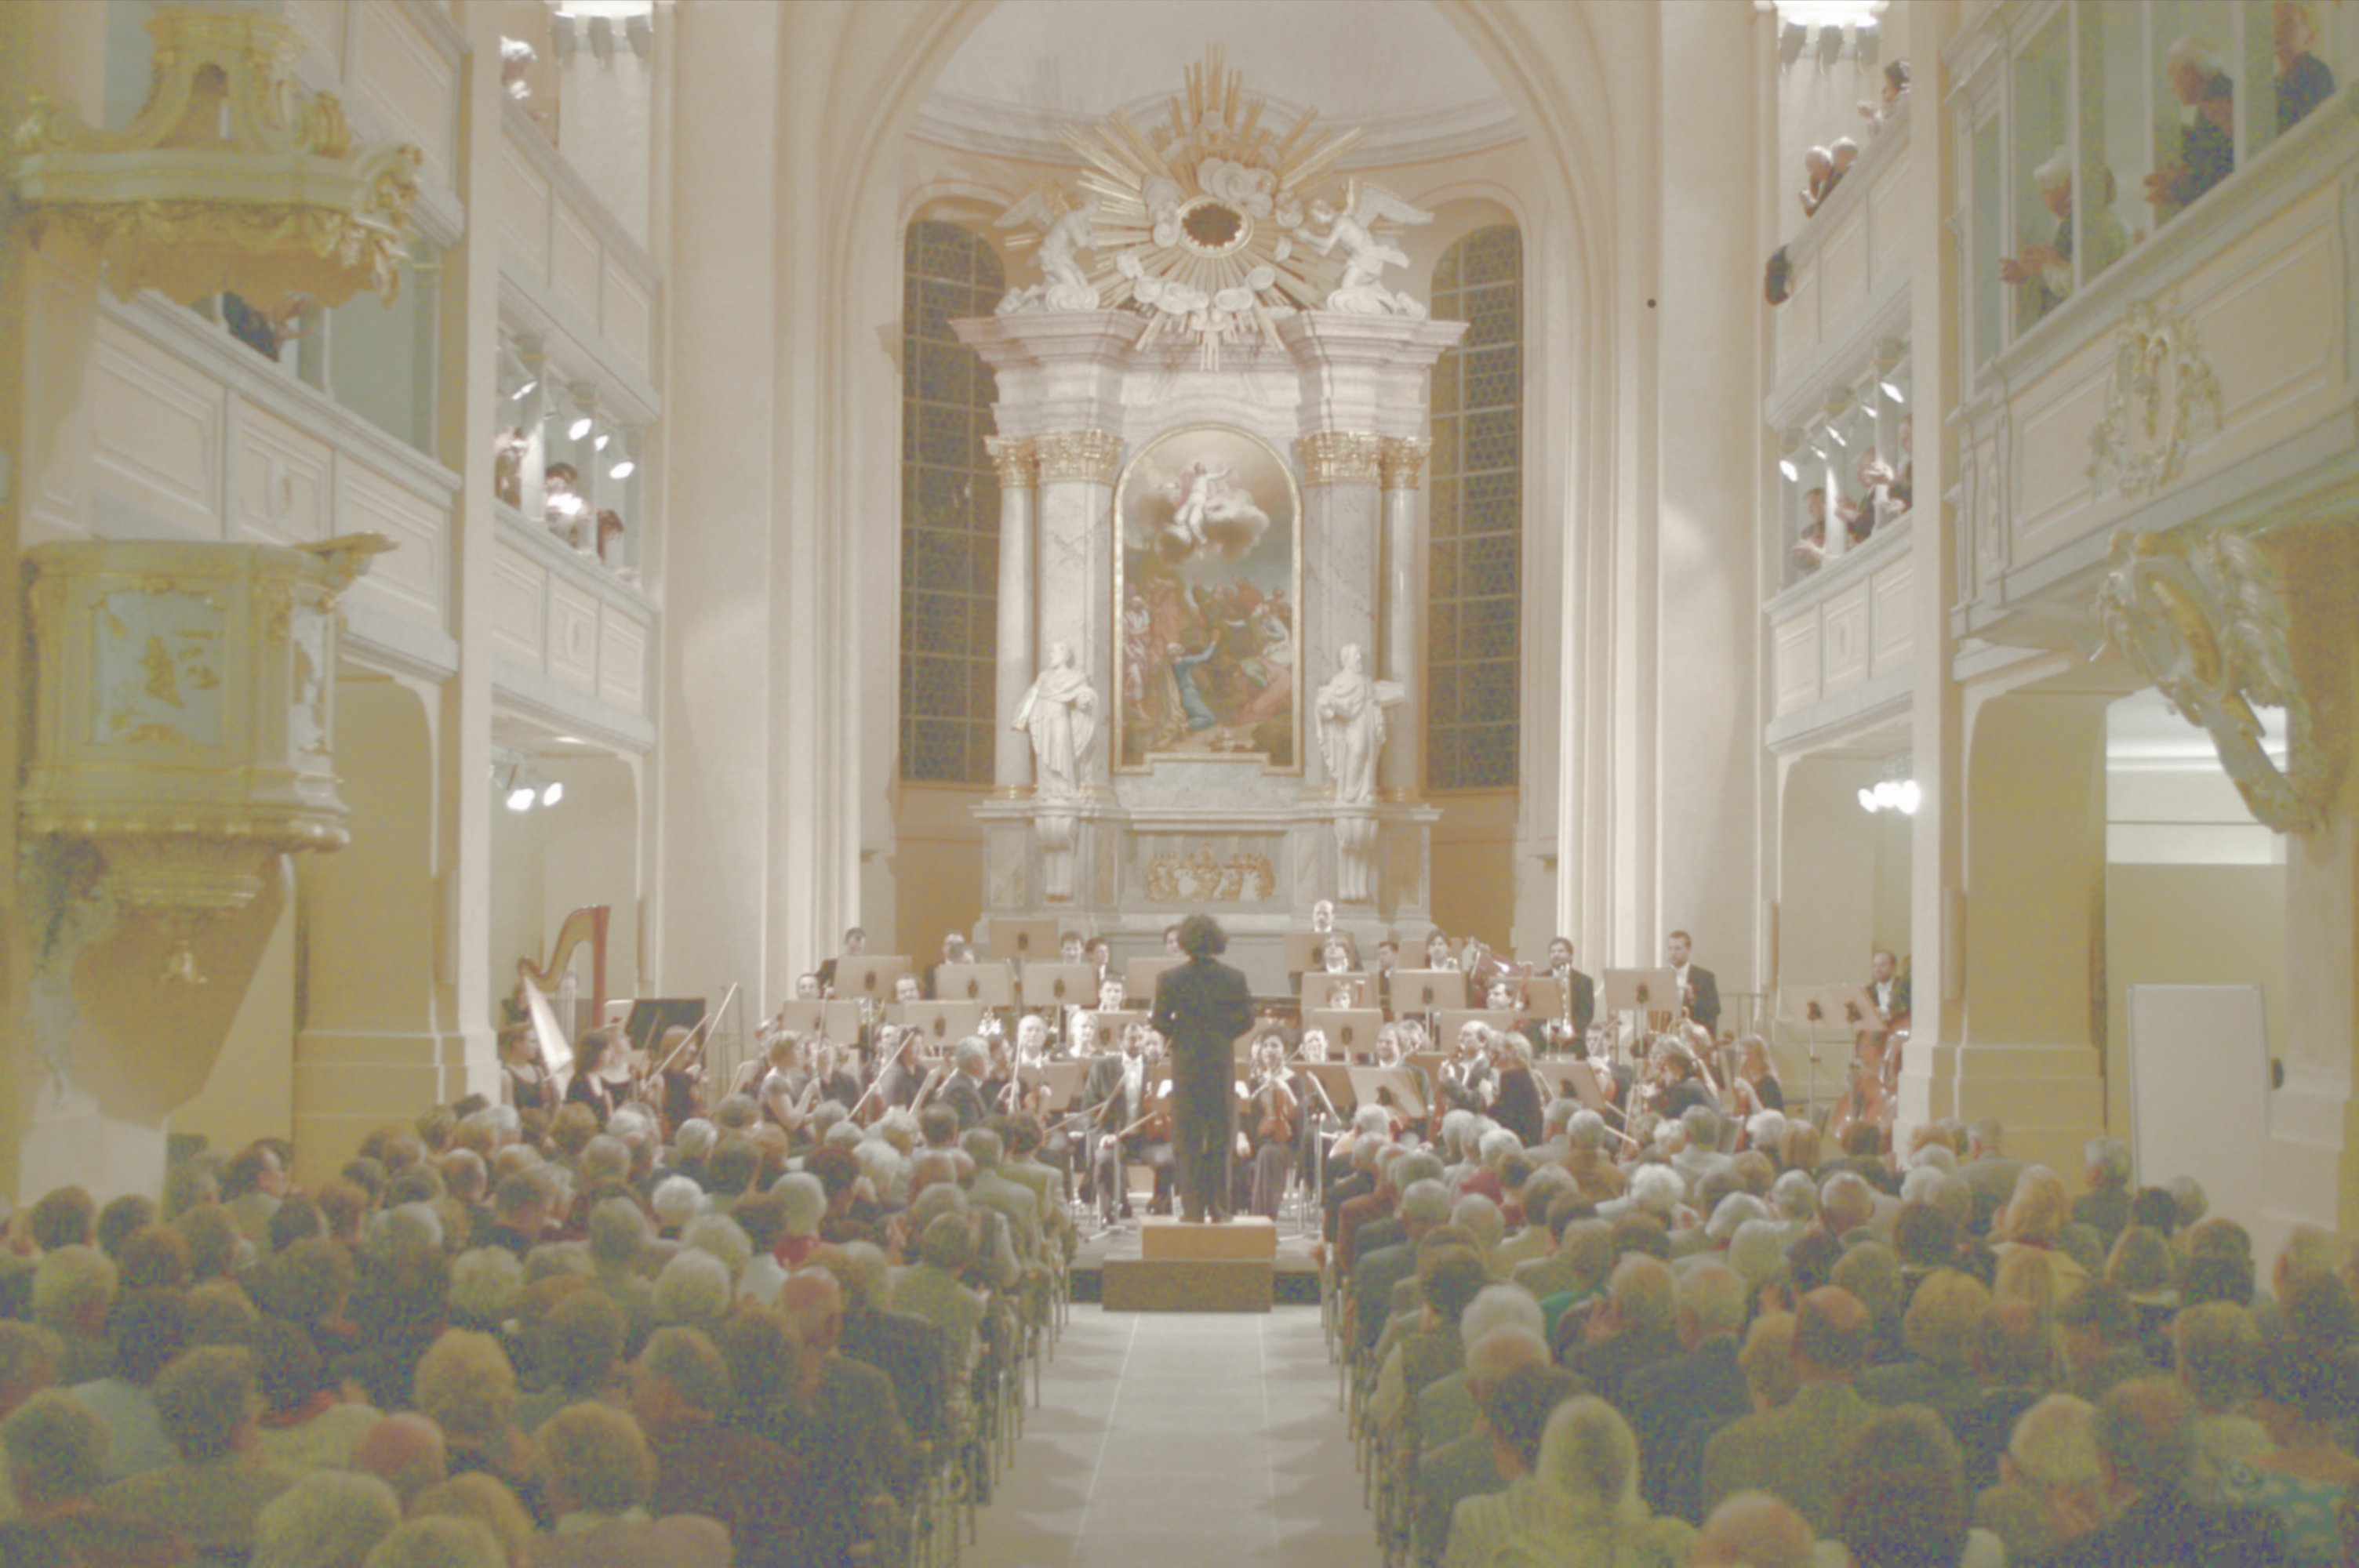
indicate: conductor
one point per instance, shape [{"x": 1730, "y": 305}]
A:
[{"x": 1201, "y": 1007}]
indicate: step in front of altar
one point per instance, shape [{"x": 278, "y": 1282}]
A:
[
  {"x": 1187, "y": 1285},
  {"x": 1247, "y": 1239}
]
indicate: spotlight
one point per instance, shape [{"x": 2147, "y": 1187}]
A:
[
  {"x": 1911, "y": 797},
  {"x": 1785, "y": 466},
  {"x": 602, "y": 37},
  {"x": 1836, "y": 436},
  {"x": 1887, "y": 795},
  {"x": 521, "y": 393},
  {"x": 600, "y": 444},
  {"x": 1894, "y": 392},
  {"x": 1867, "y": 801},
  {"x": 1831, "y": 46},
  {"x": 1791, "y": 40},
  {"x": 554, "y": 793},
  {"x": 623, "y": 470},
  {"x": 521, "y": 798},
  {"x": 1869, "y": 47},
  {"x": 579, "y": 428},
  {"x": 640, "y": 32}
]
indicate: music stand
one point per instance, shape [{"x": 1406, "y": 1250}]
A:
[
  {"x": 867, "y": 975},
  {"x": 1141, "y": 976},
  {"x": 1307, "y": 951},
  {"x": 1112, "y": 1024},
  {"x": 1059, "y": 985},
  {"x": 1335, "y": 1077},
  {"x": 1020, "y": 941},
  {"x": 1642, "y": 990},
  {"x": 1544, "y": 997},
  {"x": 1428, "y": 991},
  {"x": 1429, "y": 1063},
  {"x": 943, "y": 1023},
  {"x": 1852, "y": 1007},
  {"x": 1395, "y": 1086},
  {"x": 647, "y": 1017},
  {"x": 1065, "y": 1080},
  {"x": 1574, "y": 1078},
  {"x": 1351, "y": 1032},
  {"x": 986, "y": 985},
  {"x": 838, "y": 1020},
  {"x": 1318, "y": 988},
  {"x": 1447, "y": 1025}
]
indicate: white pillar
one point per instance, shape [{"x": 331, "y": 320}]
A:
[
  {"x": 1076, "y": 566},
  {"x": 1402, "y": 462},
  {"x": 1011, "y": 753},
  {"x": 1341, "y": 504}
]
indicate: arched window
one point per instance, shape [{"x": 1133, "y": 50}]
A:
[
  {"x": 1476, "y": 499},
  {"x": 950, "y": 509}
]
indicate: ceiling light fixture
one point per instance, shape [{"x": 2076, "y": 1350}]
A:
[
  {"x": 553, "y": 793},
  {"x": 623, "y": 470},
  {"x": 600, "y": 444},
  {"x": 521, "y": 393},
  {"x": 1785, "y": 466},
  {"x": 1893, "y": 391},
  {"x": 579, "y": 428}
]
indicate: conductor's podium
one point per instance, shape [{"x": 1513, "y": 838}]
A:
[{"x": 1230, "y": 1267}]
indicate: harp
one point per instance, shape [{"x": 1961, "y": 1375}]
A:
[{"x": 539, "y": 983}]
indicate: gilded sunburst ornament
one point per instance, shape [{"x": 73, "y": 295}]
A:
[{"x": 1204, "y": 225}]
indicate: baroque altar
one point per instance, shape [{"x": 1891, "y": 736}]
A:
[{"x": 1210, "y": 446}]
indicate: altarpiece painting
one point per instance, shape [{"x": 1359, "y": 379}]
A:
[{"x": 1207, "y": 585}]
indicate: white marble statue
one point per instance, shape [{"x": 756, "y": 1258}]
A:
[
  {"x": 1066, "y": 229},
  {"x": 1367, "y": 253},
  {"x": 1059, "y": 712},
  {"x": 1351, "y": 709}
]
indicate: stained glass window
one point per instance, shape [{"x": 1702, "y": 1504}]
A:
[
  {"x": 1475, "y": 509},
  {"x": 950, "y": 509}
]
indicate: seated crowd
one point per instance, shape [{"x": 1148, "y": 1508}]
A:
[
  {"x": 501, "y": 1338},
  {"x": 1700, "y": 1341}
]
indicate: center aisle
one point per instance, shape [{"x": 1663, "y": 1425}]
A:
[{"x": 1167, "y": 1437}]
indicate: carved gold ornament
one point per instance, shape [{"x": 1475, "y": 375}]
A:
[
  {"x": 232, "y": 178},
  {"x": 183, "y": 716},
  {"x": 2162, "y": 401},
  {"x": 1178, "y": 877},
  {"x": 1339, "y": 457},
  {"x": 2223, "y": 623},
  {"x": 1197, "y": 224}
]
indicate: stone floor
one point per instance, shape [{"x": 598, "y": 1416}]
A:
[{"x": 1174, "y": 1439}]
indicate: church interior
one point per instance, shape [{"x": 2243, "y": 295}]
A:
[{"x": 769, "y": 557}]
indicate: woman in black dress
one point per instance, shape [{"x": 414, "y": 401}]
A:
[
  {"x": 589, "y": 1086},
  {"x": 521, "y": 1069}
]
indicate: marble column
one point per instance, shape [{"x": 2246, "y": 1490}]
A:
[
  {"x": 1011, "y": 751},
  {"x": 1401, "y": 461},
  {"x": 1340, "y": 470},
  {"x": 1076, "y": 582}
]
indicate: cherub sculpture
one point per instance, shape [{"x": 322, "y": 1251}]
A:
[
  {"x": 1066, "y": 230},
  {"x": 1366, "y": 253}
]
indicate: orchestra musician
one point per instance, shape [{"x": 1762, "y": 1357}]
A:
[
  {"x": 953, "y": 943},
  {"x": 855, "y": 945},
  {"x": 1699, "y": 990},
  {"x": 907, "y": 988},
  {"x": 1756, "y": 1087},
  {"x": 1071, "y": 949},
  {"x": 786, "y": 1096},
  {"x": 1438, "y": 955},
  {"x": 1110, "y": 994},
  {"x": 1579, "y": 994},
  {"x": 1084, "y": 1045},
  {"x": 808, "y": 988},
  {"x": 1391, "y": 1052},
  {"x": 1098, "y": 953},
  {"x": 1889, "y": 986},
  {"x": 1120, "y": 1091},
  {"x": 1266, "y": 1133},
  {"x": 964, "y": 1091},
  {"x": 1203, "y": 1005},
  {"x": 1466, "y": 1077},
  {"x": 522, "y": 1071},
  {"x": 898, "y": 1077},
  {"x": 683, "y": 1077},
  {"x": 601, "y": 1072},
  {"x": 1388, "y": 960},
  {"x": 1335, "y": 956},
  {"x": 1516, "y": 1103}
]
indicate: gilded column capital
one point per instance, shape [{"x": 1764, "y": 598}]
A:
[
  {"x": 1402, "y": 460},
  {"x": 1088, "y": 457},
  {"x": 1016, "y": 458},
  {"x": 1339, "y": 457}
]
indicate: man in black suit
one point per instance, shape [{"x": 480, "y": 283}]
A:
[
  {"x": 1202, "y": 1007},
  {"x": 1117, "y": 1089},
  {"x": 970, "y": 1060},
  {"x": 1580, "y": 989},
  {"x": 1696, "y": 986}
]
